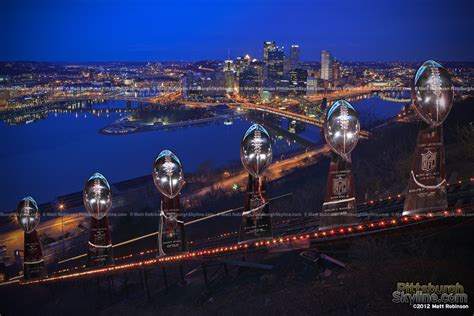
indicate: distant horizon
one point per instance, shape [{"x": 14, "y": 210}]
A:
[{"x": 215, "y": 60}]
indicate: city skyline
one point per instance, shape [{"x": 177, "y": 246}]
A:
[
  {"x": 244, "y": 157},
  {"x": 207, "y": 30}
]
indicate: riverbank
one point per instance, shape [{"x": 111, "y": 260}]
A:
[{"x": 122, "y": 127}]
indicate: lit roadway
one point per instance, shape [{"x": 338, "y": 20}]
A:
[
  {"x": 340, "y": 94},
  {"x": 12, "y": 236},
  {"x": 275, "y": 171},
  {"x": 13, "y": 239}
]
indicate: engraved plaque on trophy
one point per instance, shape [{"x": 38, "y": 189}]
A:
[
  {"x": 168, "y": 176},
  {"x": 256, "y": 156},
  {"x": 99, "y": 252},
  {"x": 172, "y": 235},
  {"x": 341, "y": 131},
  {"x": 256, "y": 221},
  {"x": 28, "y": 216},
  {"x": 432, "y": 94},
  {"x": 339, "y": 207},
  {"x": 97, "y": 199}
]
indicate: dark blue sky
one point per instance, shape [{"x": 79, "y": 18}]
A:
[{"x": 107, "y": 30}]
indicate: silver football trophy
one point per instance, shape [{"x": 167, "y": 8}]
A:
[
  {"x": 432, "y": 95},
  {"x": 342, "y": 132},
  {"x": 28, "y": 215},
  {"x": 97, "y": 198},
  {"x": 256, "y": 156},
  {"x": 168, "y": 176}
]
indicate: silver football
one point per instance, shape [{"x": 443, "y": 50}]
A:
[
  {"x": 256, "y": 150},
  {"x": 27, "y": 214},
  {"x": 342, "y": 127},
  {"x": 432, "y": 93},
  {"x": 168, "y": 174},
  {"x": 97, "y": 196}
]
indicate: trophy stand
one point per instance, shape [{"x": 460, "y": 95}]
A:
[
  {"x": 427, "y": 184},
  {"x": 339, "y": 207},
  {"x": 172, "y": 237},
  {"x": 256, "y": 221},
  {"x": 33, "y": 262},
  {"x": 100, "y": 245}
]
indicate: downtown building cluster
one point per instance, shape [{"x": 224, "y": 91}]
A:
[{"x": 277, "y": 75}]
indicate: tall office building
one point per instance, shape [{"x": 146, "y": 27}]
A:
[
  {"x": 267, "y": 46},
  {"x": 247, "y": 59},
  {"x": 336, "y": 70},
  {"x": 228, "y": 65},
  {"x": 276, "y": 59},
  {"x": 229, "y": 75},
  {"x": 311, "y": 86},
  {"x": 297, "y": 83},
  {"x": 249, "y": 82},
  {"x": 326, "y": 70},
  {"x": 294, "y": 56}
]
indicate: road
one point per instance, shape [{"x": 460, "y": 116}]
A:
[
  {"x": 13, "y": 238},
  {"x": 340, "y": 94},
  {"x": 275, "y": 171}
]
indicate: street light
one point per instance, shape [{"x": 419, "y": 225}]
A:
[{"x": 61, "y": 208}]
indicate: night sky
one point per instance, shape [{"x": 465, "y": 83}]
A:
[{"x": 155, "y": 30}]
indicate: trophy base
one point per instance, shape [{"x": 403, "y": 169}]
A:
[
  {"x": 33, "y": 263},
  {"x": 100, "y": 251},
  {"x": 339, "y": 207},
  {"x": 256, "y": 222},
  {"x": 427, "y": 184},
  {"x": 172, "y": 238},
  {"x": 34, "y": 270}
]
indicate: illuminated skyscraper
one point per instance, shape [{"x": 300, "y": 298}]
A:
[
  {"x": 336, "y": 70},
  {"x": 326, "y": 70},
  {"x": 249, "y": 82},
  {"x": 276, "y": 58},
  {"x": 267, "y": 46},
  {"x": 241, "y": 62},
  {"x": 297, "y": 82},
  {"x": 311, "y": 86},
  {"x": 229, "y": 75},
  {"x": 294, "y": 56},
  {"x": 228, "y": 65},
  {"x": 247, "y": 59}
]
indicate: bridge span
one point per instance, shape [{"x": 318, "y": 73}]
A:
[{"x": 294, "y": 116}]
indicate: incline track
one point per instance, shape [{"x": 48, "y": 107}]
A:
[{"x": 377, "y": 217}]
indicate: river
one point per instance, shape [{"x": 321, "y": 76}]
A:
[{"x": 55, "y": 155}]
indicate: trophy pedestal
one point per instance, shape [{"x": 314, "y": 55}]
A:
[
  {"x": 339, "y": 207},
  {"x": 427, "y": 185},
  {"x": 33, "y": 262},
  {"x": 100, "y": 245},
  {"x": 256, "y": 221},
  {"x": 172, "y": 237}
]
